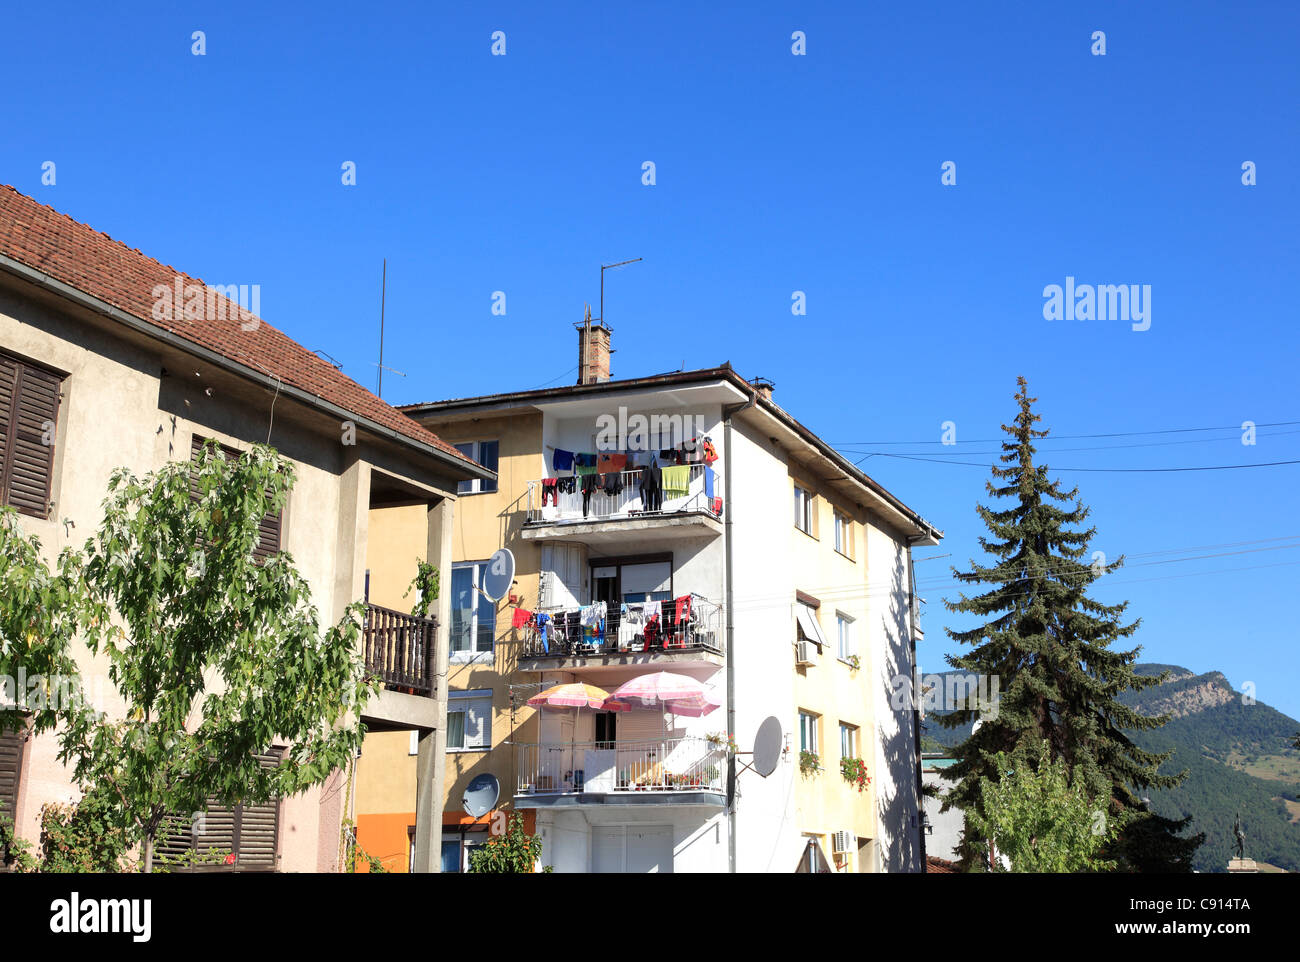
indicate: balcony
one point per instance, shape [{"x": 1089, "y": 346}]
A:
[
  {"x": 695, "y": 640},
  {"x": 669, "y": 771},
  {"x": 399, "y": 650},
  {"x": 553, "y": 513}
]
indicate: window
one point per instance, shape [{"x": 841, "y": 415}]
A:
[
  {"x": 29, "y": 410},
  {"x": 844, "y": 534},
  {"x": 469, "y": 720},
  {"x": 486, "y": 454},
  {"x": 473, "y": 614},
  {"x": 631, "y": 583},
  {"x": 456, "y": 846},
  {"x": 848, "y": 741},
  {"x": 844, "y": 636},
  {"x": 808, "y": 732},
  {"x": 268, "y": 529},
  {"x": 803, "y": 510},
  {"x": 808, "y": 627}
]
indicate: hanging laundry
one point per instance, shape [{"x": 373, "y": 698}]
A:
[
  {"x": 521, "y": 618},
  {"x": 612, "y": 484},
  {"x": 562, "y": 460},
  {"x": 582, "y": 470},
  {"x": 717, "y": 507},
  {"x": 684, "y": 608},
  {"x": 652, "y": 497},
  {"x": 710, "y": 452},
  {"x": 589, "y": 485},
  {"x": 567, "y": 485},
  {"x": 708, "y": 483},
  {"x": 585, "y": 460},
  {"x": 670, "y": 456},
  {"x": 550, "y": 491},
  {"x": 677, "y": 481},
  {"x": 606, "y": 463},
  {"x": 543, "y": 626},
  {"x": 652, "y": 632}
]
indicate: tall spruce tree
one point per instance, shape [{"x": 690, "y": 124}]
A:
[{"x": 1049, "y": 646}]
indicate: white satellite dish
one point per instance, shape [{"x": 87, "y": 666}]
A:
[
  {"x": 767, "y": 746},
  {"x": 500, "y": 574}
]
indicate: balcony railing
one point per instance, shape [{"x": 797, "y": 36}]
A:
[
  {"x": 399, "y": 649},
  {"x": 621, "y": 499},
  {"x": 701, "y": 629},
  {"x": 667, "y": 765}
]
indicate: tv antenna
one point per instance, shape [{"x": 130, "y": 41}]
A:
[
  {"x": 603, "y": 268},
  {"x": 383, "y": 297}
]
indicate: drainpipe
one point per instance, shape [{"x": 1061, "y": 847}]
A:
[
  {"x": 729, "y": 506},
  {"x": 916, "y": 710}
]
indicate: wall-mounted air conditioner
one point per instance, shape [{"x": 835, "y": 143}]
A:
[
  {"x": 844, "y": 843},
  {"x": 803, "y": 653}
]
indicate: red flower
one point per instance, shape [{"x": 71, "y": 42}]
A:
[{"x": 230, "y": 859}]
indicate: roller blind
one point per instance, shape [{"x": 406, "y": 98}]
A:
[{"x": 29, "y": 408}]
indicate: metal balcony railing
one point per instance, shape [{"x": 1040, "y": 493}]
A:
[
  {"x": 618, "y": 496},
  {"x": 700, "y": 629},
  {"x": 399, "y": 649},
  {"x": 667, "y": 765}
]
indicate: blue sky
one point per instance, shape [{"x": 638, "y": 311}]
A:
[{"x": 774, "y": 173}]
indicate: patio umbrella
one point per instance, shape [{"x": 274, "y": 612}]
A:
[
  {"x": 575, "y": 695},
  {"x": 678, "y": 694}
]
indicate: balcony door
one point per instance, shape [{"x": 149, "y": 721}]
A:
[{"x": 632, "y": 848}]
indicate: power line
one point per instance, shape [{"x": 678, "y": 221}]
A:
[
  {"x": 1068, "y": 437},
  {"x": 1095, "y": 447},
  {"x": 1208, "y": 467}
]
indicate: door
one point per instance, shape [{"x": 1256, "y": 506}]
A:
[{"x": 632, "y": 848}]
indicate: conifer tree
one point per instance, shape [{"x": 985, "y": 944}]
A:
[{"x": 1050, "y": 647}]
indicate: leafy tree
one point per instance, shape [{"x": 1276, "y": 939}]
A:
[
  {"x": 214, "y": 653},
  {"x": 1049, "y": 644},
  {"x": 85, "y": 837},
  {"x": 516, "y": 851},
  {"x": 40, "y": 611},
  {"x": 1041, "y": 819}
]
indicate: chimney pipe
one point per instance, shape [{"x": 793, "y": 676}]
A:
[{"x": 593, "y": 351}]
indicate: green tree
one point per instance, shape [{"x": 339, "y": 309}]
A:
[
  {"x": 85, "y": 837},
  {"x": 214, "y": 653},
  {"x": 1049, "y": 645},
  {"x": 1041, "y": 820},
  {"x": 516, "y": 851}
]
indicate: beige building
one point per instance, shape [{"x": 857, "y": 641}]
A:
[
  {"x": 782, "y": 575},
  {"x": 98, "y": 343}
]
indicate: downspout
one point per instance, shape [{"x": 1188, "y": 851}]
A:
[
  {"x": 729, "y": 505},
  {"x": 916, "y": 703}
]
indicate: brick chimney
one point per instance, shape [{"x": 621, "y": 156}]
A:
[
  {"x": 593, "y": 352},
  {"x": 763, "y": 386}
]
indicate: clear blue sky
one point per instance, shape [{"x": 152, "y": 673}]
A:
[{"x": 775, "y": 173}]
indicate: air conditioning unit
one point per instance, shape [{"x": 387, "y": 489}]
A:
[
  {"x": 803, "y": 653},
  {"x": 844, "y": 843}
]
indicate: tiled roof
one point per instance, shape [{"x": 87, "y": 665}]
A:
[
  {"x": 939, "y": 866},
  {"x": 92, "y": 262}
]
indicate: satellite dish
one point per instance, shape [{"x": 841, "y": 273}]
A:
[
  {"x": 481, "y": 795},
  {"x": 767, "y": 746},
  {"x": 500, "y": 574}
]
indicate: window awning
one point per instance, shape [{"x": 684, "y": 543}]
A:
[{"x": 808, "y": 623}]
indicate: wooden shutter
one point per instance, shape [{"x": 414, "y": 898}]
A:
[
  {"x": 251, "y": 832},
  {"x": 29, "y": 400},
  {"x": 11, "y": 763},
  {"x": 268, "y": 541}
]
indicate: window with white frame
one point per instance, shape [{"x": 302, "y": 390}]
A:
[
  {"x": 485, "y": 453},
  {"x": 808, "y": 732},
  {"x": 803, "y": 510},
  {"x": 844, "y": 534},
  {"x": 473, "y": 614},
  {"x": 809, "y": 628},
  {"x": 844, "y": 636},
  {"x": 469, "y": 720},
  {"x": 848, "y": 741}
]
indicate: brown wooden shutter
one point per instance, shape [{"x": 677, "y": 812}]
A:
[
  {"x": 11, "y": 765},
  {"x": 251, "y": 832},
  {"x": 268, "y": 541},
  {"x": 29, "y": 399}
]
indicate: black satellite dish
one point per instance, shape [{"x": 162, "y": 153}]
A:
[
  {"x": 767, "y": 746},
  {"x": 481, "y": 795}
]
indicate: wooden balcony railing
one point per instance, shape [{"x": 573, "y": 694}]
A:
[{"x": 399, "y": 649}]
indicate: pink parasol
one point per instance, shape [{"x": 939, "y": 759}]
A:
[{"x": 679, "y": 694}]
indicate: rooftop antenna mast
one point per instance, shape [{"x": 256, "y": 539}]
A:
[
  {"x": 383, "y": 297},
  {"x": 603, "y": 268}
]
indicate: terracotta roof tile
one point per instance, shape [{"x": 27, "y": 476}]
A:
[{"x": 92, "y": 262}]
